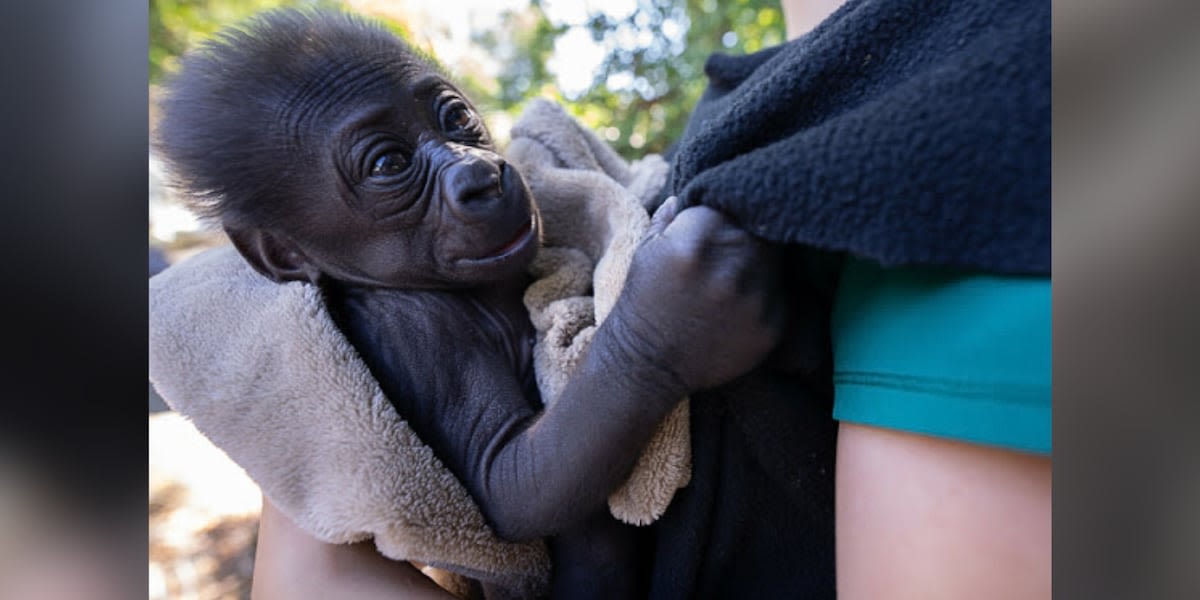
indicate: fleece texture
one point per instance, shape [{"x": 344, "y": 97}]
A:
[
  {"x": 263, "y": 372},
  {"x": 907, "y": 133}
]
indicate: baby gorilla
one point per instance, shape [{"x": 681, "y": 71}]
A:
[{"x": 331, "y": 153}]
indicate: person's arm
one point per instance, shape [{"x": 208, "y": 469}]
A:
[
  {"x": 290, "y": 564},
  {"x": 922, "y": 517},
  {"x": 801, "y": 16}
]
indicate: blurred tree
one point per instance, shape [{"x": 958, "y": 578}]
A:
[
  {"x": 651, "y": 74},
  {"x": 177, "y": 25}
]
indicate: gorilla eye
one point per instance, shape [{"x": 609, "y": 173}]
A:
[
  {"x": 457, "y": 117},
  {"x": 391, "y": 163}
]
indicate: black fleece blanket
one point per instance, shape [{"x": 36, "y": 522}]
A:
[{"x": 911, "y": 133}]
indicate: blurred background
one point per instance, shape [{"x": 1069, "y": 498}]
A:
[{"x": 629, "y": 69}]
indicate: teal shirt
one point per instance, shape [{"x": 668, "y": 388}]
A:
[{"x": 945, "y": 353}]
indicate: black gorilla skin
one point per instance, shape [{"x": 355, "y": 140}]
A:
[{"x": 331, "y": 153}]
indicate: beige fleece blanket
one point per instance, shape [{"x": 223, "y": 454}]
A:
[
  {"x": 263, "y": 372},
  {"x": 592, "y": 205}
]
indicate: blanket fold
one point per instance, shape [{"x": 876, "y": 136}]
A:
[{"x": 263, "y": 372}]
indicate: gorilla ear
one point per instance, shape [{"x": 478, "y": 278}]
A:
[{"x": 275, "y": 256}]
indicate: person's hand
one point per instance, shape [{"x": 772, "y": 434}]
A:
[
  {"x": 701, "y": 300},
  {"x": 291, "y": 564}
]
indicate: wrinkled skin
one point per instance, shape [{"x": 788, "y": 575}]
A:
[
  {"x": 404, "y": 191},
  {"x": 419, "y": 233}
]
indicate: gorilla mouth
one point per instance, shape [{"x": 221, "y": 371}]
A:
[{"x": 518, "y": 242}]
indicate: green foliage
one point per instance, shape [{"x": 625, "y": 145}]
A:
[
  {"x": 523, "y": 44},
  {"x": 178, "y": 25},
  {"x": 639, "y": 98},
  {"x": 652, "y": 73}
]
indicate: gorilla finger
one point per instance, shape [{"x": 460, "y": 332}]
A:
[
  {"x": 665, "y": 214},
  {"x": 699, "y": 222}
]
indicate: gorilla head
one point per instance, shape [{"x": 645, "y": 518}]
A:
[{"x": 328, "y": 149}]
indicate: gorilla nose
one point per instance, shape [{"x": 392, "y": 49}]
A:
[{"x": 472, "y": 181}]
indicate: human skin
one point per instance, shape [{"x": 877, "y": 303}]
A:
[
  {"x": 922, "y": 517},
  {"x": 800, "y": 16},
  {"x": 290, "y": 563}
]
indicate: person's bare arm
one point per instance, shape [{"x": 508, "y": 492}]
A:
[
  {"x": 921, "y": 517},
  {"x": 290, "y": 564},
  {"x": 800, "y": 16}
]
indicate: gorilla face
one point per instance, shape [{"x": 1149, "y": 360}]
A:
[
  {"x": 329, "y": 149},
  {"x": 409, "y": 192}
]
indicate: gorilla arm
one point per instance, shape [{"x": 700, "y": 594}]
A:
[{"x": 695, "y": 313}]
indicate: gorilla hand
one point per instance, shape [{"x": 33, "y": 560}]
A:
[{"x": 701, "y": 301}]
